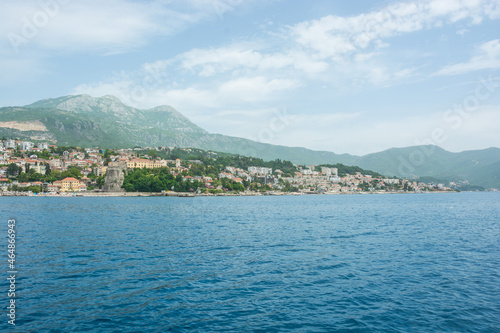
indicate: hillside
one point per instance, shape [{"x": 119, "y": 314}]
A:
[
  {"x": 105, "y": 122},
  {"x": 479, "y": 167},
  {"x": 85, "y": 121}
]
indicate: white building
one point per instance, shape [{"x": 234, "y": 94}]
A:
[
  {"x": 43, "y": 145},
  {"x": 260, "y": 170},
  {"x": 307, "y": 172},
  {"x": 27, "y": 146},
  {"x": 10, "y": 144},
  {"x": 226, "y": 175},
  {"x": 334, "y": 172}
]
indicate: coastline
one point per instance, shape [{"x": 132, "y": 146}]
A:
[{"x": 192, "y": 195}]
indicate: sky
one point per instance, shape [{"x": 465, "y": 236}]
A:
[{"x": 352, "y": 77}]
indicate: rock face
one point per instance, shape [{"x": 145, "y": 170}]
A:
[
  {"x": 114, "y": 177},
  {"x": 24, "y": 126}
]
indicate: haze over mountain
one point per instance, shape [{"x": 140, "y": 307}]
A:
[{"x": 85, "y": 121}]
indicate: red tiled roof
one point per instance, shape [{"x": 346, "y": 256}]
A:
[{"x": 71, "y": 179}]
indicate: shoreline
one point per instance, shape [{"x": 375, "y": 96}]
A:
[{"x": 192, "y": 195}]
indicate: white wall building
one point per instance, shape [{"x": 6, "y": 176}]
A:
[
  {"x": 334, "y": 172},
  {"x": 10, "y": 144},
  {"x": 27, "y": 146},
  {"x": 260, "y": 170},
  {"x": 43, "y": 145}
]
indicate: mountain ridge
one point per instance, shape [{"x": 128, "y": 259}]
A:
[{"x": 86, "y": 121}]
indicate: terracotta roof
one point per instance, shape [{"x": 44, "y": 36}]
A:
[{"x": 72, "y": 179}]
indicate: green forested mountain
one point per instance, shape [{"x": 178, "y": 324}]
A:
[
  {"x": 479, "y": 167},
  {"x": 105, "y": 122}
]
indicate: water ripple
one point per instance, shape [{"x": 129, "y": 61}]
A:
[{"x": 409, "y": 263}]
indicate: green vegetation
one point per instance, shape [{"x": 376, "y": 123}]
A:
[
  {"x": 73, "y": 171},
  {"x": 13, "y": 170},
  {"x": 344, "y": 170},
  {"x": 216, "y": 162},
  {"x": 15, "y": 173},
  {"x": 160, "y": 179},
  {"x": 32, "y": 188},
  {"x": 45, "y": 154},
  {"x": 471, "y": 188}
]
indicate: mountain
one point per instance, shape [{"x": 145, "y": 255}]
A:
[
  {"x": 85, "y": 121},
  {"x": 105, "y": 122},
  {"x": 479, "y": 167}
]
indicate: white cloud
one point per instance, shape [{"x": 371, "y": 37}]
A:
[
  {"x": 334, "y": 36},
  {"x": 488, "y": 57},
  {"x": 249, "y": 56},
  {"x": 345, "y": 133},
  {"x": 191, "y": 100},
  {"x": 333, "y": 49},
  {"x": 101, "y": 27}
]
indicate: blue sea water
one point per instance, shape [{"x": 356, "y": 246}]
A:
[{"x": 351, "y": 263}]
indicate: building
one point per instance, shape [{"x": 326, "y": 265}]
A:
[
  {"x": 55, "y": 163},
  {"x": 70, "y": 184},
  {"x": 27, "y": 146},
  {"x": 142, "y": 163},
  {"x": 53, "y": 188},
  {"x": 330, "y": 172},
  {"x": 260, "y": 170},
  {"x": 39, "y": 168},
  {"x": 42, "y": 145},
  {"x": 225, "y": 175},
  {"x": 10, "y": 144}
]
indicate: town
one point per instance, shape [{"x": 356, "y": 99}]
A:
[{"x": 28, "y": 168}]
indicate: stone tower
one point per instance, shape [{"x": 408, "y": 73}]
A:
[{"x": 114, "y": 177}]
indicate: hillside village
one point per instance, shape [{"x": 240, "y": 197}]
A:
[{"x": 41, "y": 168}]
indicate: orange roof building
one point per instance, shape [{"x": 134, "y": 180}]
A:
[{"x": 70, "y": 184}]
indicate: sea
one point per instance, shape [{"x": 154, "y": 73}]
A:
[{"x": 311, "y": 263}]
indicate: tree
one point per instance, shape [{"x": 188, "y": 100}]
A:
[
  {"x": 47, "y": 169},
  {"x": 73, "y": 171},
  {"x": 197, "y": 169},
  {"x": 153, "y": 154},
  {"x": 13, "y": 170},
  {"x": 45, "y": 154},
  {"x": 100, "y": 181},
  {"x": 129, "y": 187}
]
